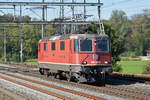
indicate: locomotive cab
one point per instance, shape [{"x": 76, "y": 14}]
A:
[{"x": 94, "y": 57}]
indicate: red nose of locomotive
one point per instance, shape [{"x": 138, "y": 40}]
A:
[
  {"x": 96, "y": 59},
  {"x": 101, "y": 58},
  {"x": 98, "y": 52}
]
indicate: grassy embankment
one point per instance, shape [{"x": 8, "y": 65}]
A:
[
  {"x": 132, "y": 67},
  {"x": 31, "y": 61}
]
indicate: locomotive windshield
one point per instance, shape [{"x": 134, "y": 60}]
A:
[
  {"x": 85, "y": 45},
  {"x": 102, "y": 45}
]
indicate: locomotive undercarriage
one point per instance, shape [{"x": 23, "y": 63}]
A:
[
  {"x": 91, "y": 74},
  {"x": 87, "y": 74}
]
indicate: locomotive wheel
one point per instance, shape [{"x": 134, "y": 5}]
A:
[
  {"x": 41, "y": 70},
  {"x": 69, "y": 76},
  {"x": 103, "y": 79},
  {"x": 47, "y": 72},
  {"x": 68, "y": 79},
  {"x": 77, "y": 81},
  {"x": 51, "y": 75},
  {"x": 57, "y": 76}
]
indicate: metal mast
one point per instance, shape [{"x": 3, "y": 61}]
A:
[
  {"x": 14, "y": 13},
  {"x": 84, "y": 11},
  {"x": 73, "y": 18},
  {"x": 63, "y": 18},
  {"x": 5, "y": 45},
  {"x": 100, "y": 25},
  {"x": 99, "y": 18},
  {"x": 21, "y": 35},
  {"x": 60, "y": 16},
  {"x": 43, "y": 19}
]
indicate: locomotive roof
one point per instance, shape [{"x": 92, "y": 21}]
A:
[{"x": 75, "y": 36}]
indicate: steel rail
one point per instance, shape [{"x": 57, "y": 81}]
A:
[
  {"x": 132, "y": 77},
  {"x": 36, "y": 88}
]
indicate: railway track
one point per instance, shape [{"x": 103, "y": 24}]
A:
[
  {"x": 8, "y": 77},
  {"x": 8, "y": 95},
  {"x": 119, "y": 91},
  {"x": 132, "y": 77},
  {"x": 115, "y": 90},
  {"x": 134, "y": 93}
]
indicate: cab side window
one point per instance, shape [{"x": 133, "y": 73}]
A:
[
  {"x": 53, "y": 47},
  {"x": 45, "y": 46},
  {"x": 62, "y": 45}
]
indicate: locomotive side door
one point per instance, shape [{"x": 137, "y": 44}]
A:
[
  {"x": 73, "y": 51},
  {"x": 70, "y": 51}
]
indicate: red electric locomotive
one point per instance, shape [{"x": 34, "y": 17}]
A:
[{"x": 81, "y": 57}]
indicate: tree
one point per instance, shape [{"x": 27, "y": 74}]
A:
[
  {"x": 138, "y": 41},
  {"x": 122, "y": 26},
  {"x": 116, "y": 45},
  {"x": 13, "y": 44},
  {"x": 120, "y": 23}
]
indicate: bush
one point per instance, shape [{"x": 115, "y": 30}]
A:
[
  {"x": 13, "y": 57},
  {"x": 2, "y": 59},
  {"x": 146, "y": 69},
  {"x": 128, "y": 54},
  {"x": 117, "y": 67},
  {"x": 130, "y": 59}
]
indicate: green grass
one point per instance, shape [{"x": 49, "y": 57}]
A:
[
  {"x": 31, "y": 61},
  {"x": 132, "y": 67}
]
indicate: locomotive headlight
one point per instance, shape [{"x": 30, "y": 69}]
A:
[
  {"x": 106, "y": 62},
  {"x": 84, "y": 62}
]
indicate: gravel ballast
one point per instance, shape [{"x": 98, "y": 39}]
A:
[
  {"x": 95, "y": 93},
  {"x": 70, "y": 95}
]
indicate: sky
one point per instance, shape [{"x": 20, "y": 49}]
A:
[{"x": 130, "y": 7}]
